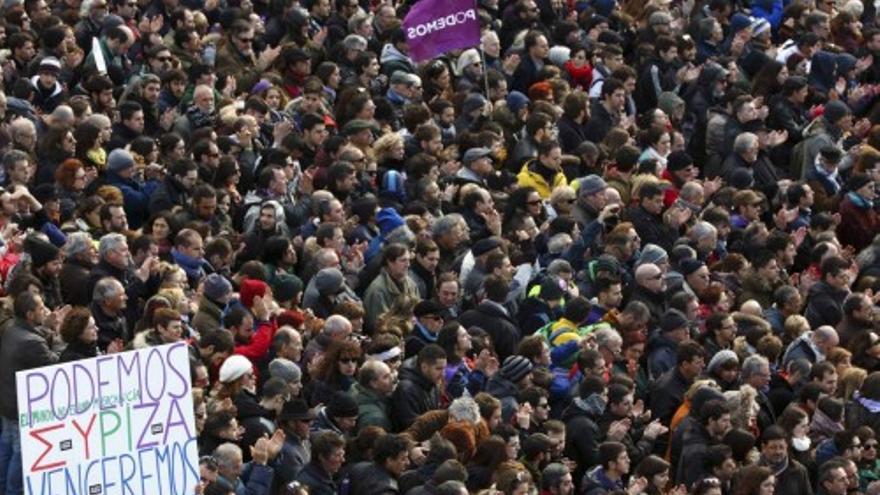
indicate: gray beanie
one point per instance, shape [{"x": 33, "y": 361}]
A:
[
  {"x": 329, "y": 281},
  {"x": 119, "y": 160},
  {"x": 216, "y": 287},
  {"x": 720, "y": 358},
  {"x": 652, "y": 253},
  {"x": 285, "y": 369}
]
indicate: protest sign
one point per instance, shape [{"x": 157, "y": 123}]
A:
[
  {"x": 433, "y": 27},
  {"x": 115, "y": 424}
]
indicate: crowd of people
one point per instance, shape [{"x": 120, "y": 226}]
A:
[{"x": 619, "y": 248}]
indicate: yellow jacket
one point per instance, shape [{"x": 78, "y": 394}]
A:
[{"x": 526, "y": 177}]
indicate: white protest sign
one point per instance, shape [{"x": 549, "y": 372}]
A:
[{"x": 115, "y": 424}]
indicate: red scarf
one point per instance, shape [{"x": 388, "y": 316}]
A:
[{"x": 582, "y": 76}]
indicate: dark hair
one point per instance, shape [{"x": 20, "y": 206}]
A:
[{"x": 389, "y": 446}]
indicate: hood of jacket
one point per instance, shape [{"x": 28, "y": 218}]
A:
[
  {"x": 409, "y": 372},
  {"x": 390, "y": 53},
  {"x": 591, "y": 407},
  {"x": 501, "y": 387}
]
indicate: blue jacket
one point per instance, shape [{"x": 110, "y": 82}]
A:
[{"x": 137, "y": 202}]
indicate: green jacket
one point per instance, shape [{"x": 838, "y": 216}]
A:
[
  {"x": 372, "y": 409},
  {"x": 382, "y": 294}
]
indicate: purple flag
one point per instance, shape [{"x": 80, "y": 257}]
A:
[{"x": 437, "y": 26}]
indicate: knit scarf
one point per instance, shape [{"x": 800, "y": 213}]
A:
[
  {"x": 860, "y": 201},
  {"x": 192, "y": 266},
  {"x": 199, "y": 118}
]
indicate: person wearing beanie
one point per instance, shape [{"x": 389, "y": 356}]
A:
[
  {"x": 837, "y": 119},
  {"x": 325, "y": 290},
  {"x": 233, "y": 368},
  {"x": 428, "y": 322},
  {"x": 859, "y": 220},
  {"x": 514, "y": 376},
  {"x": 392, "y": 283},
  {"x": 46, "y": 265},
  {"x": 288, "y": 372},
  {"x": 663, "y": 344},
  {"x": 339, "y": 415},
  {"x": 542, "y": 306},
  {"x": 121, "y": 174},
  {"x": 724, "y": 369},
  {"x": 216, "y": 293}
]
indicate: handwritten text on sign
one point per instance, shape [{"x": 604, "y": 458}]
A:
[{"x": 116, "y": 424}]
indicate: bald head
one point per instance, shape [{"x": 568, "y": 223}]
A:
[
  {"x": 825, "y": 338},
  {"x": 337, "y": 327},
  {"x": 646, "y": 272},
  {"x": 752, "y": 307}
]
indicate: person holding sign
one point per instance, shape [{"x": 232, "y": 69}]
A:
[{"x": 22, "y": 347}]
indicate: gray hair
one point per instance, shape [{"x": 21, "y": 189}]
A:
[
  {"x": 607, "y": 336},
  {"x": 98, "y": 120},
  {"x": 691, "y": 191},
  {"x": 111, "y": 242},
  {"x": 465, "y": 409},
  {"x": 106, "y": 288},
  {"x": 559, "y": 266},
  {"x": 227, "y": 455},
  {"x": 445, "y": 224},
  {"x": 401, "y": 235},
  {"x": 12, "y": 157},
  {"x": 701, "y": 230},
  {"x": 358, "y": 19},
  {"x": 558, "y": 243},
  {"x": 553, "y": 474},
  {"x": 743, "y": 142},
  {"x": 753, "y": 365},
  {"x": 77, "y": 242}
]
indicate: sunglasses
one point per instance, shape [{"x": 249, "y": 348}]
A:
[{"x": 348, "y": 360}]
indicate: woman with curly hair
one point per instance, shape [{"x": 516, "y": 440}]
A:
[
  {"x": 389, "y": 153},
  {"x": 335, "y": 371}
]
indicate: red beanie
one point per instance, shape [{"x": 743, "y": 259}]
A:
[{"x": 250, "y": 289}]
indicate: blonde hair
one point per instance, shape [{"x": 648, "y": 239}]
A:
[
  {"x": 382, "y": 146},
  {"x": 795, "y": 326},
  {"x": 850, "y": 381}
]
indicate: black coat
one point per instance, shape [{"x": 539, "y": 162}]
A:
[
  {"x": 501, "y": 327},
  {"x": 824, "y": 305},
  {"x": 78, "y": 350},
  {"x": 414, "y": 396},
  {"x": 651, "y": 228},
  {"x": 73, "y": 278},
  {"x": 317, "y": 480},
  {"x": 369, "y": 478},
  {"x": 581, "y": 418},
  {"x": 22, "y": 347}
]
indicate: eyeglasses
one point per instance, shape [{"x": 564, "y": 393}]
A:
[
  {"x": 246, "y": 40},
  {"x": 533, "y": 203}
]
